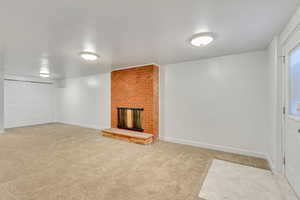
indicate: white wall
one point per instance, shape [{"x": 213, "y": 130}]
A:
[
  {"x": 219, "y": 103},
  {"x": 27, "y": 103},
  {"x": 1, "y": 91},
  {"x": 274, "y": 137},
  {"x": 85, "y": 101}
]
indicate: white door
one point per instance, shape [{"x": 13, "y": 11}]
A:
[{"x": 292, "y": 117}]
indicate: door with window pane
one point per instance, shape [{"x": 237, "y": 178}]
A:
[{"x": 292, "y": 118}]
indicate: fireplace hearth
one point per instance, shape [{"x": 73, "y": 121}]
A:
[{"x": 130, "y": 118}]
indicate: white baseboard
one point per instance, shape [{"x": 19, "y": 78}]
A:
[
  {"x": 25, "y": 124},
  {"x": 82, "y": 125},
  {"x": 271, "y": 164},
  {"x": 215, "y": 147}
]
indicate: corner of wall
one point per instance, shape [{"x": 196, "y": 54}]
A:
[
  {"x": 70, "y": 103},
  {"x": 1, "y": 89},
  {"x": 274, "y": 138},
  {"x": 271, "y": 163},
  {"x": 291, "y": 26},
  {"x": 216, "y": 147}
]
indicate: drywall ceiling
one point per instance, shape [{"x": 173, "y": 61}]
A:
[{"x": 51, "y": 33}]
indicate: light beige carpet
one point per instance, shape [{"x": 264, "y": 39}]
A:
[
  {"x": 63, "y": 162},
  {"x": 230, "y": 181}
]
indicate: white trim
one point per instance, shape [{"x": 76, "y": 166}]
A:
[
  {"x": 27, "y": 78},
  {"x": 290, "y": 28},
  {"x": 83, "y": 125},
  {"x": 134, "y": 66},
  {"x": 25, "y": 124},
  {"x": 271, "y": 164},
  {"x": 215, "y": 147},
  {"x": 274, "y": 149},
  {"x": 291, "y": 42}
]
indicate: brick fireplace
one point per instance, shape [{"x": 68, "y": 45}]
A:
[
  {"x": 136, "y": 88},
  {"x": 130, "y": 118}
]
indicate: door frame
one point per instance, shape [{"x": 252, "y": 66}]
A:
[
  {"x": 284, "y": 108},
  {"x": 281, "y": 41},
  {"x": 286, "y": 49}
]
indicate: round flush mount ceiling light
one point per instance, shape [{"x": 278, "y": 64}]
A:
[
  {"x": 44, "y": 75},
  {"x": 89, "y": 56},
  {"x": 202, "y": 39}
]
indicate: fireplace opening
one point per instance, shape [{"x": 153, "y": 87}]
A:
[{"x": 130, "y": 118}]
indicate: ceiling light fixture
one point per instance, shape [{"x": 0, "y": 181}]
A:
[
  {"x": 44, "y": 75},
  {"x": 89, "y": 56},
  {"x": 202, "y": 39},
  {"x": 44, "y": 71}
]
